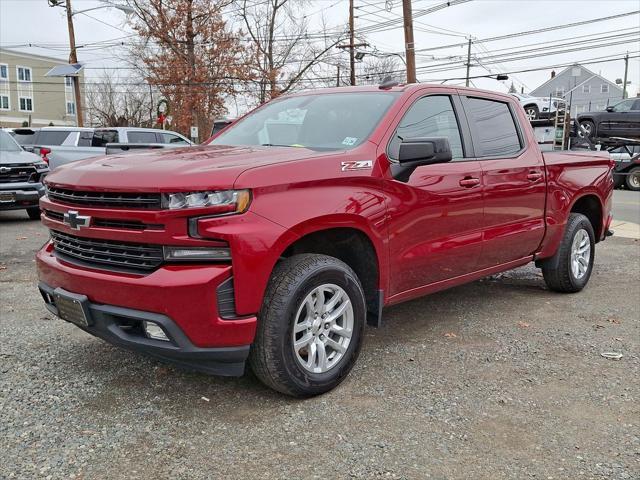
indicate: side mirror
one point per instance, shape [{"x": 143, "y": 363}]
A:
[
  {"x": 415, "y": 152},
  {"x": 610, "y": 109}
]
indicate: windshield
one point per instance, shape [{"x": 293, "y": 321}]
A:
[
  {"x": 325, "y": 122},
  {"x": 7, "y": 143}
]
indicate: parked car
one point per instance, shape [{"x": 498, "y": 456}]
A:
[
  {"x": 94, "y": 142},
  {"x": 277, "y": 245},
  {"x": 619, "y": 120},
  {"x": 538, "y": 107},
  {"x": 21, "y": 175}
]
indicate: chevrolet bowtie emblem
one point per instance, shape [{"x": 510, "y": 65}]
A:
[{"x": 75, "y": 221}]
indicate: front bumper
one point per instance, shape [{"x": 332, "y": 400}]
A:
[
  {"x": 123, "y": 327},
  {"x": 187, "y": 294},
  {"x": 19, "y": 196}
]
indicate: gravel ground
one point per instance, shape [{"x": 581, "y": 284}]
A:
[{"x": 497, "y": 379}]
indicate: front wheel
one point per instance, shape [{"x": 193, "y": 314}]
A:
[
  {"x": 532, "y": 112},
  {"x": 570, "y": 269},
  {"x": 310, "y": 326},
  {"x": 633, "y": 179},
  {"x": 586, "y": 129}
]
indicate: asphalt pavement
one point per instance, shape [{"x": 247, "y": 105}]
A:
[
  {"x": 498, "y": 379},
  {"x": 626, "y": 206}
]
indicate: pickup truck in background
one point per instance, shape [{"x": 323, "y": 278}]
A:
[
  {"x": 61, "y": 145},
  {"x": 21, "y": 175},
  {"x": 277, "y": 241}
]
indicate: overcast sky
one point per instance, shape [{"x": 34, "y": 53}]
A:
[{"x": 33, "y": 22}]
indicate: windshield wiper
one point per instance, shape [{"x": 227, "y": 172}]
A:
[{"x": 275, "y": 145}]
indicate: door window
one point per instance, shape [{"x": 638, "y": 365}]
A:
[
  {"x": 431, "y": 116},
  {"x": 496, "y": 134},
  {"x": 624, "y": 106},
  {"x": 142, "y": 137},
  {"x": 51, "y": 137},
  {"x": 102, "y": 137}
]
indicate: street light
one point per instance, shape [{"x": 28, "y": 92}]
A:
[{"x": 73, "y": 57}]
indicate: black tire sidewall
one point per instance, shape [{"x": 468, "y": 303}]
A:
[
  {"x": 581, "y": 224},
  {"x": 306, "y": 381}
]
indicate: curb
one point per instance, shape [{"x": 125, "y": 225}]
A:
[{"x": 625, "y": 229}]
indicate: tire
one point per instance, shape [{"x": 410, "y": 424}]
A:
[
  {"x": 559, "y": 272},
  {"x": 34, "y": 213},
  {"x": 274, "y": 358},
  {"x": 589, "y": 126},
  {"x": 632, "y": 180},
  {"x": 532, "y": 112}
]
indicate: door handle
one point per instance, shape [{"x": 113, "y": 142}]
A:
[
  {"x": 534, "y": 176},
  {"x": 469, "y": 182}
]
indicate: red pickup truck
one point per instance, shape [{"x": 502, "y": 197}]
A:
[{"x": 277, "y": 241}]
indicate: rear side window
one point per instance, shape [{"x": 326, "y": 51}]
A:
[
  {"x": 102, "y": 137},
  {"x": 431, "y": 116},
  {"x": 51, "y": 138},
  {"x": 142, "y": 137},
  {"x": 85, "y": 138},
  {"x": 496, "y": 134}
]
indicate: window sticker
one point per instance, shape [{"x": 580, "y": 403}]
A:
[{"x": 349, "y": 141}]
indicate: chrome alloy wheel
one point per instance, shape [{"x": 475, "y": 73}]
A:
[
  {"x": 531, "y": 113},
  {"x": 580, "y": 253},
  {"x": 323, "y": 328}
]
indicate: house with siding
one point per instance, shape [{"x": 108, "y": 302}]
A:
[
  {"x": 586, "y": 90},
  {"x": 26, "y": 95}
]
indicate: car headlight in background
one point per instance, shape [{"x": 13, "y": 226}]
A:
[
  {"x": 555, "y": 104},
  {"x": 222, "y": 202}
]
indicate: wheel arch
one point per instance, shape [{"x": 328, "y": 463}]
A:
[{"x": 590, "y": 205}]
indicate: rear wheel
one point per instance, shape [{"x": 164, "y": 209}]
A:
[
  {"x": 633, "y": 179},
  {"x": 532, "y": 112},
  {"x": 310, "y": 326},
  {"x": 34, "y": 213},
  {"x": 570, "y": 269}
]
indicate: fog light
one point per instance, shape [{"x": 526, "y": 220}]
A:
[{"x": 154, "y": 331}]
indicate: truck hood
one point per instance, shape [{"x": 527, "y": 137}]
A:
[
  {"x": 20, "y": 157},
  {"x": 185, "y": 169}
]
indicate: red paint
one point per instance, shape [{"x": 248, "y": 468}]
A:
[{"x": 449, "y": 224}]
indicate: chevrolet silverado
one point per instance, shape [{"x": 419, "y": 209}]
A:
[{"x": 274, "y": 244}]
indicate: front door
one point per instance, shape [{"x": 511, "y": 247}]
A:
[
  {"x": 435, "y": 218},
  {"x": 513, "y": 179}
]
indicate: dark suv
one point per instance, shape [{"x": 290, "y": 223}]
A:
[{"x": 619, "y": 120}]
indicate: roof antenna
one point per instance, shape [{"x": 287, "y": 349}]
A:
[{"x": 388, "y": 83}]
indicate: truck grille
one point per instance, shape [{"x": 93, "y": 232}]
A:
[
  {"x": 109, "y": 223},
  {"x": 16, "y": 173},
  {"x": 108, "y": 254},
  {"x": 105, "y": 199}
]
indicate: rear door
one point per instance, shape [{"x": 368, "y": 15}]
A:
[
  {"x": 513, "y": 179},
  {"x": 435, "y": 218}
]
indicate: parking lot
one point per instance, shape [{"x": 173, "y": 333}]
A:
[{"x": 497, "y": 379}]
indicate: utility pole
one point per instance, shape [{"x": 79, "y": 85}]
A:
[
  {"x": 73, "y": 58},
  {"x": 338, "y": 78},
  {"x": 468, "y": 62},
  {"x": 624, "y": 81},
  {"x": 352, "y": 52},
  {"x": 409, "y": 44}
]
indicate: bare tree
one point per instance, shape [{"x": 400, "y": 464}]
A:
[
  {"x": 283, "y": 51},
  {"x": 375, "y": 69},
  {"x": 191, "y": 55},
  {"x": 112, "y": 102}
]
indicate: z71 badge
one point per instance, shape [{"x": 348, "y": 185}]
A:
[{"x": 357, "y": 165}]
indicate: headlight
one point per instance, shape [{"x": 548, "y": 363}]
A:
[
  {"x": 555, "y": 104},
  {"x": 221, "y": 202},
  {"x": 40, "y": 165},
  {"x": 186, "y": 254}
]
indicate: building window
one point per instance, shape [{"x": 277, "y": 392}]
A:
[
  {"x": 71, "y": 108},
  {"x": 604, "y": 88},
  {"x": 559, "y": 92},
  {"x": 68, "y": 82},
  {"x": 26, "y": 104},
  {"x": 4, "y": 71},
  {"x": 24, "y": 74},
  {"x": 586, "y": 89},
  {"x": 4, "y": 102}
]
